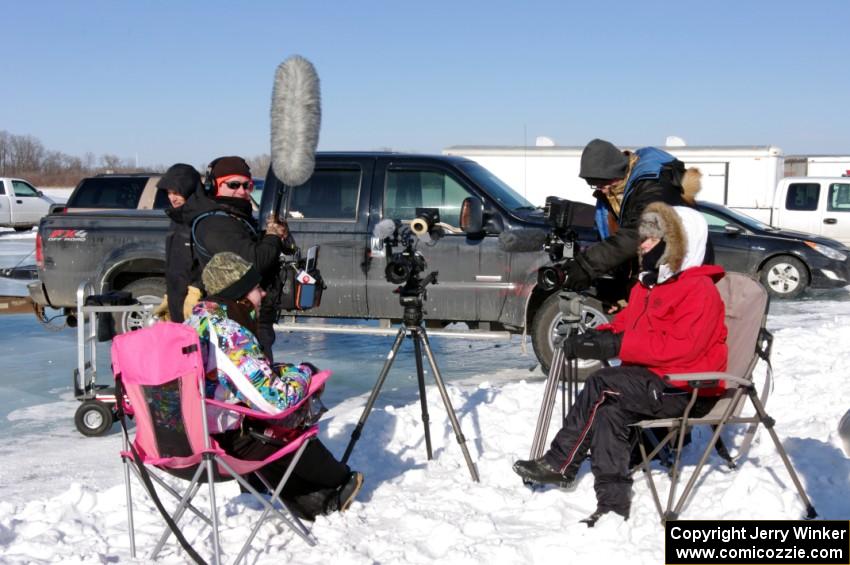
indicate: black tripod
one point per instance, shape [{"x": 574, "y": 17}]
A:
[
  {"x": 411, "y": 298},
  {"x": 563, "y": 370}
]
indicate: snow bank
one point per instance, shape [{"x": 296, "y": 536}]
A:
[{"x": 65, "y": 501}]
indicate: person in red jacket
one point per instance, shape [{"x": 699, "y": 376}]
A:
[{"x": 673, "y": 323}]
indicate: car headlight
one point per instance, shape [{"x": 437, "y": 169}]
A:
[{"x": 828, "y": 251}]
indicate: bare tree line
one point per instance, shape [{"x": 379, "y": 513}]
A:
[{"x": 26, "y": 157}]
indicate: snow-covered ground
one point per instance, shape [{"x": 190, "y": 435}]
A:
[{"x": 62, "y": 497}]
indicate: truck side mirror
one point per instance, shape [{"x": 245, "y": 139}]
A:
[{"x": 472, "y": 216}]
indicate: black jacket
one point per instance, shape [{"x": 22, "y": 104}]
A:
[
  {"x": 232, "y": 228},
  {"x": 620, "y": 249},
  {"x": 181, "y": 267}
]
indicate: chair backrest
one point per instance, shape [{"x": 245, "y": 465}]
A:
[
  {"x": 746, "y": 302},
  {"x": 162, "y": 371}
]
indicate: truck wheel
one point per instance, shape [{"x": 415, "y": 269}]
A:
[
  {"x": 149, "y": 290},
  {"x": 784, "y": 277},
  {"x": 548, "y": 319},
  {"x": 93, "y": 418}
]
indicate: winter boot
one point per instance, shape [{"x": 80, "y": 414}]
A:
[
  {"x": 593, "y": 518},
  {"x": 341, "y": 498},
  {"x": 540, "y": 472}
]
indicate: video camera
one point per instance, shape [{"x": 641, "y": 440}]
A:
[
  {"x": 406, "y": 265},
  {"x": 560, "y": 242}
]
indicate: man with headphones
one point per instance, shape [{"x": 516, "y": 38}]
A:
[{"x": 222, "y": 220}]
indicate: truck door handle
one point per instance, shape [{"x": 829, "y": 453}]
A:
[
  {"x": 830, "y": 221},
  {"x": 19, "y": 201},
  {"x": 488, "y": 278}
]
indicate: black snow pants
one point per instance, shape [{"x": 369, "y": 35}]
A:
[{"x": 598, "y": 422}]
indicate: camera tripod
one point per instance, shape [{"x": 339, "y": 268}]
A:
[
  {"x": 562, "y": 369},
  {"x": 411, "y": 298}
]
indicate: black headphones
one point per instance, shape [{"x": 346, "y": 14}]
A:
[{"x": 209, "y": 182}]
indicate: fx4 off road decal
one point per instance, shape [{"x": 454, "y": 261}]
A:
[{"x": 67, "y": 235}]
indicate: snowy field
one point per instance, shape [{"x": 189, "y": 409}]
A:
[{"x": 62, "y": 495}]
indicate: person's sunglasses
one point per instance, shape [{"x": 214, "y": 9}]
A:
[{"x": 235, "y": 184}]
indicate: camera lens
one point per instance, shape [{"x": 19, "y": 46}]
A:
[
  {"x": 397, "y": 271},
  {"x": 550, "y": 278}
]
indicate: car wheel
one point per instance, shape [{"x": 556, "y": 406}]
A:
[
  {"x": 149, "y": 290},
  {"x": 548, "y": 320},
  {"x": 784, "y": 276},
  {"x": 93, "y": 418}
]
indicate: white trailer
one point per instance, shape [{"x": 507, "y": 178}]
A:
[
  {"x": 743, "y": 178},
  {"x": 817, "y": 166}
]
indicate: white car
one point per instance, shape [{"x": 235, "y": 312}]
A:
[{"x": 21, "y": 204}]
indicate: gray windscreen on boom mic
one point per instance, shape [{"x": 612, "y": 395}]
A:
[
  {"x": 295, "y": 118},
  {"x": 384, "y": 229},
  {"x": 522, "y": 239}
]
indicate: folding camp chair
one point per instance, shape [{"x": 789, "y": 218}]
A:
[
  {"x": 161, "y": 370},
  {"x": 748, "y": 340}
]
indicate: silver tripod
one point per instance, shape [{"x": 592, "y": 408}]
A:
[
  {"x": 412, "y": 327},
  {"x": 562, "y": 370}
]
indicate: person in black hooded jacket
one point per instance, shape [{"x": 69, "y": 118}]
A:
[
  {"x": 182, "y": 273},
  {"x": 624, "y": 184},
  {"x": 224, "y": 221}
]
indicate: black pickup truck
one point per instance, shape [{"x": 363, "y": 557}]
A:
[{"x": 480, "y": 283}]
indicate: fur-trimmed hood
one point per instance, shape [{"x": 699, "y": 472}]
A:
[{"x": 684, "y": 231}]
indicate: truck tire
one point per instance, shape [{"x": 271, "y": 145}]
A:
[
  {"x": 545, "y": 325},
  {"x": 149, "y": 290},
  {"x": 784, "y": 276}
]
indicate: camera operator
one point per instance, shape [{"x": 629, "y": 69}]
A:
[
  {"x": 624, "y": 184},
  {"x": 223, "y": 221}
]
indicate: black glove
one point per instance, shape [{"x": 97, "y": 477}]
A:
[
  {"x": 593, "y": 345},
  {"x": 577, "y": 277}
]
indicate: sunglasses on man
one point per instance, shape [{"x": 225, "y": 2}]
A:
[{"x": 235, "y": 185}]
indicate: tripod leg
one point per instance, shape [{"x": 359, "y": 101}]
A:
[
  {"x": 422, "y": 334},
  {"x": 355, "y": 435},
  {"x": 544, "y": 418},
  {"x": 420, "y": 375}
]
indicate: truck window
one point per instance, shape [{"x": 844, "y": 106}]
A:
[
  {"x": 408, "y": 189},
  {"x": 802, "y": 196},
  {"x": 330, "y": 194},
  {"x": 108, "y": 192},
  {"x": 839, "y": 197},
  {"x": 23, "y": 189}
]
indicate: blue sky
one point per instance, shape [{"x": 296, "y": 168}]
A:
[{"x": 188, "y": 81}]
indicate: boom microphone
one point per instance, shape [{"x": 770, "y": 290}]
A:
[
  {"x": 384, "y": 229},
  {"x": 295, "y": 118},
  {"x": 522, "y": 240}
]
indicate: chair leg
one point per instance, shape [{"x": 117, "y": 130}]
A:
[
  {"x": 268, "y": 507},
  {"x": 648, "y": 473},
  {"x": 210, "y": 460},
  {"x": 183, "y": 504},
  {"x": 705, "y": 454},
  {"x": 769, "y": 422},
  {"x": 130, "y": 524}
]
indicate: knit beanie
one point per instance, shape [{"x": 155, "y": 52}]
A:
[
  {"x": 180, "y": 178},
  {"x": 228, "y": 275},
  {"x": 233, "y": 165},
  {"x": 601, "y": 160}
]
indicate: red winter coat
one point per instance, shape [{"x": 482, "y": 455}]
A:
[{"x": 677, "y": 326}]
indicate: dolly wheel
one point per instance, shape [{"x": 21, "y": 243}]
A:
[{"x": 93, "y": 418}]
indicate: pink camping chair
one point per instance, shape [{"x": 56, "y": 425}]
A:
[{"x": 161, "y": 370}]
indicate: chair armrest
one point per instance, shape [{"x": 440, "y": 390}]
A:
[{"x": 712, "y": 376}]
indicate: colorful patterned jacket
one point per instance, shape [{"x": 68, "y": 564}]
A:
[{"x": 282, "y": 385}]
